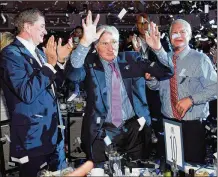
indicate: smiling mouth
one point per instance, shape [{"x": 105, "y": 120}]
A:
[
  {"x": 110, "y": 53},
  {"x": 179, "y": 40}
]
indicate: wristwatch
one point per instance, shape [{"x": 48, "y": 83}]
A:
[{"x": 192, "y": 100}]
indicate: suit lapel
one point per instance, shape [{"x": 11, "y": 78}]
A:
[
  {"x": 100, "y": 76},
  {"x": 43, "y": 55},
  {"x": 30, "y": 58}
]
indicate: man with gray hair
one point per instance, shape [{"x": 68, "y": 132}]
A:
[
  {"x": 185, "y": 96},
  {"x": 117, "y": 112}
]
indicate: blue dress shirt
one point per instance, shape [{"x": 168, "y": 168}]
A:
[{"x": 196, "y": 77}]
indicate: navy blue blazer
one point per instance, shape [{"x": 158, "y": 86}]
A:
[
  {"x": 31, "y": 103},
  {"x": 132, "y": 70}
]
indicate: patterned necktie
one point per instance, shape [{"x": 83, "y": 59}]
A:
[
  {"x": 39, "y": 56},
  {"x": 116, "y": 103},
  {"x": 42, "y": 61},
  {"x": 174, "y": 91}
]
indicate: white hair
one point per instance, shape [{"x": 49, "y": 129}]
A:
[
  {"x": 185, "y": 24},
  {"x": 109, "y": 29}
]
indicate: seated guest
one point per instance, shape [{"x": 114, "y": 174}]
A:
[{"x": 116, "y": 102}]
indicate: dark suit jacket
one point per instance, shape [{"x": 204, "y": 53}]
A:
[
  {"x": 153, "y": 97},
  {"x": 151, "y": 55},
  {"x": 32, "y": 105},
  {"x": 132, "y": 70}
]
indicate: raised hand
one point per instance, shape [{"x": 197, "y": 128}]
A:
[
  {"x": 136, "y": 42},
  {"x": 64, "y": 51},
  {"x": 89, "y": 30},
  {"x": 153, "y": 39},
  {"x": 50, "y": 51}
]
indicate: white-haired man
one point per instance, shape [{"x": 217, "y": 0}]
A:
[
  {"x": 185, "y": 96},
  {"x": 117, "y": 108}
]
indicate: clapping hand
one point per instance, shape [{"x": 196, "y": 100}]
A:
[
  {"x": 50, "y": 51},
  {"x": 89, "y": 30},
  {"x": 64, "y": 51},
  {"x": 153, "y": 39}
]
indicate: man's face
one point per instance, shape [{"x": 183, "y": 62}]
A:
[
  {"x": 78, "y": 33},
  {"x": 179, "y": 36},
  {"x": 129, "y": 39},
  {"x": 142, "y": 25},
  {"x": 37, "y": 30},
  {"x": 107, "y": 47}
]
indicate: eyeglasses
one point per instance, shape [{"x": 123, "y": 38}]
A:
[
  {"x": 106, "y": 44},
  {"x": 182, "y": 32}
]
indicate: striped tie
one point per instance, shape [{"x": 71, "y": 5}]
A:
[
  {"x": 174, "y": 91},
  {"x": 116, "y": 103},
  {"x": 39, "y": 56}
]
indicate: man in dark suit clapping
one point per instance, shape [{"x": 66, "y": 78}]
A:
[{"x": 28, "y": 76}]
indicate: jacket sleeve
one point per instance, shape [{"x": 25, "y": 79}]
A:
[
  {"x": 138, "y": 67},
  {"x": 26, "y": 83},
  {"x": 74, "y": 74},
  {"x": 157, "y": 69}
]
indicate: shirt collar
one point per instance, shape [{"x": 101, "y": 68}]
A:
[
  {"x": 104, "y": 62},
  {"x": 183, "y": 53},
  {"x": 29, "y": 45}
]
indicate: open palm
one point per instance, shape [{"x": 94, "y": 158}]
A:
[
  {"x": 50, "y": 51},
  {"x": 153, "y": 38},
  {"x": 89, "y": 27},
  {"x": 65, "y": 50}
]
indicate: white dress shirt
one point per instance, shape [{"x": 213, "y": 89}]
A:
[{"x": 31, "y": 48}]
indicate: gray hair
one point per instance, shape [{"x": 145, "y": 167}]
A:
[
  {"x": 109, "y": 29},
  {"x": 27, "y": 16},
  {"x": 185, "y": 24}
]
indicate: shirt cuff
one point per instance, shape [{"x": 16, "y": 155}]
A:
[
  {"x": 61, "y": 66},
  {"x": 160, "y": 52},
  {"x": 192, "y": 99},
  {"x": 83, "y": 48},
  {"x": 51, "y": 67},
  {"x": 153, "y": 84},
  {"x": 78, "y": 56}
]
